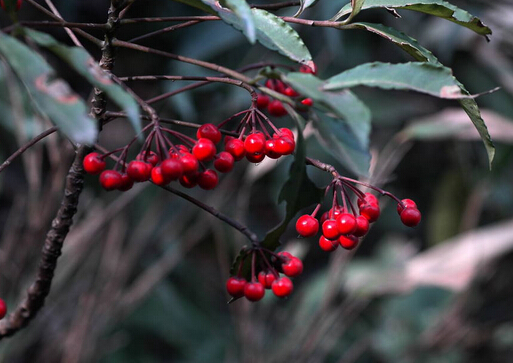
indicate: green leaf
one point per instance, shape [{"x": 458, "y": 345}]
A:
[
  {"x": 298, "y": 191},
  {"x": 198, "y": 4},
  {"x": 304, "y": 4},
  {"x": 271, "y": 31},
  {"x": 86, "y": 66},
  {"x": 435, "y": 80},
  {"x": 439, "y": 8},
  {"x": 243, "y": 12},
  {"x": 356, "y": 6},
  {"x": 408, "y": 44},
  {"x": 51, "y": 95},
  {"x": 344, "y": 124}
]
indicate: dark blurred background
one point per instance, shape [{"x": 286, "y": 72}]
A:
[{"x": 142, "y": 274}]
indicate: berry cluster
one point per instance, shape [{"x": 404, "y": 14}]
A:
[
  {"x": 268, "y": 277},
  {"x": 342, "y": 224},
  {"x": 3, "y": 309}
]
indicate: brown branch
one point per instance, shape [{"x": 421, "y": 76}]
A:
[{"x": 40, "y": 288}]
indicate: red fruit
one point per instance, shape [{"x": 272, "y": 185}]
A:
[
  {"x": 369, "y": 199},
  {"x": 270, "y": 149},
  {"x": 172, "y": 169},
  {"x": 282, "y": 287},
  {"x": 204, "y": 150},
  {"x": 307, "y": 226},
  {"x": 283, "y": 131},
  {"x": 224, "y": 162},
  {"x": 362, "y": 226},
  {"x": 149, "y": 157},
  {"x": 262, "y": 101},
  {"x": 327, "y": 244},
  {"x": 158, "y": 177},
  {"x": 346, "y": 223},
  {"x": 308, "y": 69},
  {"x": 276, "y": 85},
  {"x": 348, "y": 242},
  {"x": 139, "y": 171},
  {"x": 235, "y": 286},
  {"x": 110, "y": 179},
  {"x": 209, "y": 131},
  {"x": 291, "y": 92},
  {"x": 293, "y": 267},
  {"x": 330, "y": 230},
  {"x": 254, "y": 291},
  {"x": 189, "y": 180},
  {"x": 236, "y": 148},
  {"x": 255, "y": 143},
  {"x": 125, "y": 183},
  {"x": 408, "y": 203},
  {"x": 255, "y": 158},
  {"x": 285, "y": 255},
  {"x": 190, "y": 164},
  {"x": 275, "y": 108},
  {"x": 410, "y": 216},
  {"x": 3, "y": 308},
  {"x": 93, "y": 163},
  {"x": 307, "y": 102},
  {"x": 285, "y": 145},
  {"x": 370, "y": 211},
  {"x": 208, "y": 179},
  {"x": 325, "y": 216},
  {"x": 266, "y": 279}
]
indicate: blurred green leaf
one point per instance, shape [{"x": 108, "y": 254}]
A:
[
  {"x": 242, "y": 10},
  {"x": 305, "y": 4},
  {"x": 439, "y": 8},
  {"x": 198, "y": 4},
  {"x": 86, "y": 66},
  {"x": 52, "y": 96}
]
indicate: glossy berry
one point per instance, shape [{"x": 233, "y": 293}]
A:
[
  {"x": 235, "y": 286},
  {"x": 283, "y": 131},
  {"x": 125, "y": 183},
  {"x": 346, "y": 223},
  {"x": 3, "y": 308},
  {"x": 158, "y": 177},
  {"x": 139, "y": 171},
  {"x": 291, "y": 92},
  {"x": 327, "y": 244},
  {"x": 307, "y": 102},
  {"x": 276, "y": 109},
  {"x": 189, "y": 180},
  {"x": 282, "y": 287},
  {"x": 307, "y": 226},
  {"x": 370, "y": 211},
  {"x": 369, "y": 199},
  {"x": 270, "y": 149},
  {"x": 408, "y": 203},
  {"x": 255, "y": 158},
  {"x": 348, "y": 242},
  {"x": 293, "y": 267},
  {"x": 93, "y": 164},
  {"x": 254, "y": 291},
  {"x": 149, "y": 157},
  {"x": 255, "y": 143},
  {"x": 410, "y": 217},
  {"x": 209, "y": 131},
  {"x": 236, "y": 148},
  {"x": 110, "y": 179},
  {"x": 172, "y": 168},
  {"x": 190, "y": 164},
  {"x": 362, "y": 226},
  {"x": 204, "y": 150},
  {"x": 284, "y": 145},
  {"x": 262, "y": 101},
  {"x": 329, "y": 229},
  {"x": 224, "y": 162},
  {"x": 208, "y": 180},
  {"x": 266, "y": 278}
]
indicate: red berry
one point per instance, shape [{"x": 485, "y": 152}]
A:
[
  {"x": 262, "y": 101},
  {"x": 348, "y": 242},
  {"x": 255, "y": 158},
  {"x": 285, "y": 145},
  {"x": 275, "y": 108},
  {"x": 255, "y": 143},
  {"x": 330, "y": 230},
  {"x": 308, "y": 69},
  {"x": 3, "y": 308},
  {"x": 158, "y": 177},
  {"x": 362, "y": 226},
  {"x": 189, "y": 180},
  {"x": 254, "y": 291},
  {"x": 224, "y": 162},
  {"x": 149, "y": 157},
  {"x": 293, "y": 267},
  {"x": 190, "y": 164},
  {"x": 410, "y": 216},
  {"x": 370, "y": 211},
  {"x": 282, "y": 287},
  {"x": 204, "y": 150},
  {"x": 236, "y": 148},
  {"x": 283, "y": 131},
  {"x": 307, "y": 102},
  {"x": 208, "y": 179},
  {"x": 285, "y": 254},
  {"x": 93, "y": 164},
  {"x": 266, "y": 278},
  {"x": 291, "y": 92},
  {"x": 307, "y": 226},
  {"x": 270, "y": 149},
  {"x": 235, "y": 286},
  {"x": 346, "y": 223},
  {"x": 172, "y": 169},
  {"x": 327, "y": 244},
  {"x": 369, "y": 199},
  {"x": 209, "y": 131},
  {"x": 408, "y": 203},
  {"x": 110, "y": 179},
  {"x": 139, "y": 171},
  {"x": 125, "y": 183}
]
